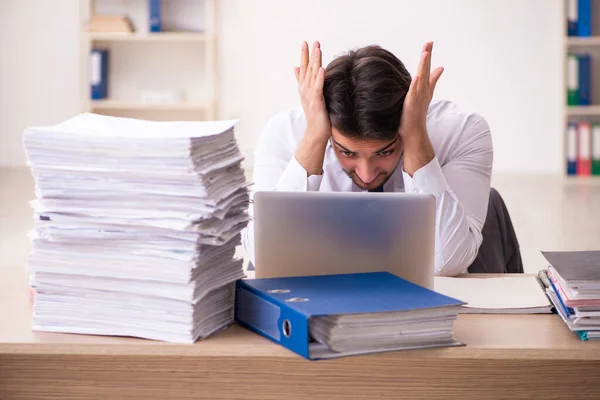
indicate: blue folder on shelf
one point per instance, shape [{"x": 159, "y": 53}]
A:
[
  {"x": 99, "y": 72},
  {"x": 288, "y": 310}
]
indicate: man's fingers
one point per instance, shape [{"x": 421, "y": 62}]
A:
[
  {"x": 435, "y": 76},
  {"x": 303, "y": 62},
  {"x": 319, "y": 81},
  {"x": 422, "y": 72},
  {"x": 412, "y": 89},
  {"x": 315, "y": 56},
  {"x": 316, "y": 64},
  {"x": 428, "y": 60}
]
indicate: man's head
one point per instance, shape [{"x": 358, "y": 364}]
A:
[{"x": 364, "y": 93}]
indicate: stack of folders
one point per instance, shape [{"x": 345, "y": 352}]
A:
[
  {"x": 575, "y": 290},
  {"x": 331, "y": 316},
  {"x": 136, "y": 226}
]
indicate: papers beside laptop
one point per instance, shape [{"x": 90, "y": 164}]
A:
[
  {"x": 496, "y": 295},
  {"x": 136, "y": 226}
]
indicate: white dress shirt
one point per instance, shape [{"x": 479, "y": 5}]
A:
[{"x": 459, "y": 177}]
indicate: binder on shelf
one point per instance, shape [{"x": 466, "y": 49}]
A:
[
  {"x": 584, "y": 72},
  {"x": 572, "y": 18},
  {"x": 584, "y": 18},
  {"x": 572, "y": 148},
  {"x": 572, "y": 80},
  {"x": 331, "y": 316},
  {"x": 584, "y": 166},
  {"x": 99, "y": 73},
  {"x": 596, "y": 148},
  {"x": 154, "y": 13}
]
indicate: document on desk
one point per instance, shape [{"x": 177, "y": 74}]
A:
[
  {"x": 498, "y": 295},
  {"x": 136, "y": 226}
]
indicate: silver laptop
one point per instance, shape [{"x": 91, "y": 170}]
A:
[{"x": 319, "y": 233}]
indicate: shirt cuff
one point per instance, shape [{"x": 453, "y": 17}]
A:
[
  {"x": 295, "y": 179},
  {"x": 428, "y": 179}
]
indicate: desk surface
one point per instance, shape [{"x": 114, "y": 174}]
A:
[
  {"x": 504, "y": 336},
  {"x": 514, "y": 347}
]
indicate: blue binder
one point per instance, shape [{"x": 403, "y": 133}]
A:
[
  {"x": 99, "y": 72},
  {"x": 154, "y": 15},
  {"x": 572, "y": 15},
  {"x": 280, "y": 308},
  {"x": 584, "y": 79},
  {"x": 584, "y": 18}
]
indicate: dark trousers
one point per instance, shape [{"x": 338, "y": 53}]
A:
[{"x": 499, "y": 251}]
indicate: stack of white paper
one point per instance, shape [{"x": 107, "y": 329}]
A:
[{"x": 136, "y": 226}]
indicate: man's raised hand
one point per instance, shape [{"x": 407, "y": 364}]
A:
[
  {"x": 310, "y": 76},
  {"x": 419, "y": 96},
  {"x": 418, "y": 150}
]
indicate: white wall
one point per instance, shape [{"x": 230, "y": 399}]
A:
[
  {"x": 502, "y": 58},
  {"x": 39, "y": 69}
]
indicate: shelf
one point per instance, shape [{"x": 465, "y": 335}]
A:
[
  {"x": 138, "y": 105},
  {"x": 583, "y": 41},
  {"x": 148, "y": 37},
  {"x": 583, "y": 110}
]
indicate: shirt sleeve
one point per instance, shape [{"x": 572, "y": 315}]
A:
[
  {"x": 461, "y": 189},
  {"x": 276, "y": 168}
]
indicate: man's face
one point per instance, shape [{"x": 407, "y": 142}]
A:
[{"x": 368, "y": 163}]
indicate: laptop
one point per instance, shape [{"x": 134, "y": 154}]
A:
[{"x": 321, "y": 233}]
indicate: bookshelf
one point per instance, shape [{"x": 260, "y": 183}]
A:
[
  {"x": 581, "y": 100},
  {"x": 164, "y": 75}
]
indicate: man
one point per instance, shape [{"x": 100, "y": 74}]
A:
[{"x": 366, "y": 125}]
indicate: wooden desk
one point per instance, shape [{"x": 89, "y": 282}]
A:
[{"x": 506, "y": 357}]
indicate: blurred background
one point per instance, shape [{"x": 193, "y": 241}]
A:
[{"x": 233, "y": 59}]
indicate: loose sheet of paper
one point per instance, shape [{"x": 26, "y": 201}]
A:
[{"x": 502, "y": 294}]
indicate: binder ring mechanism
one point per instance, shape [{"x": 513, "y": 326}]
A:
[{"x": 287, "y": 326}]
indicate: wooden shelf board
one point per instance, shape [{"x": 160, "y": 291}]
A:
[
  {"x": 592, "y": 110},
  {"x": 148, "y": 37},
  {"x": 583, "y": 41},
  {"x": 138, "y": 105}
]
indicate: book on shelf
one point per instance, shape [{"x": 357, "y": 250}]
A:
[
  {"x": 99, "y": 74},
  {"x": 579, "y": 18},
  {"x": 583, "y": 148},
  {"x": 101, "y": 23},
  {"x": 579, "y": 71}
]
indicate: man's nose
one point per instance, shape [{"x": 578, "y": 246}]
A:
[{"x": 366, "y": 173}]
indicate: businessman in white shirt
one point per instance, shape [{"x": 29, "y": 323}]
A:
[{"x": 365, "y": 125}]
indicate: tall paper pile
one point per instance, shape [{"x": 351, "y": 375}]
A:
[{"x": 136, "y": 226}]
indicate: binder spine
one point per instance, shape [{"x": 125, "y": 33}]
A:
[
  {"x": 572, "y": 18},
  {"x": 99, "y": 73},
  {"x": 572, "y": 80},
  {"x": 584, "y": 152},
  {"x": 272, "y": 318},
  {"x": 257, "y": 313},
  {"x": 572, "y": 148},
  {"x": 584, "y": 79},
  {"x": 154, "y": 15},
  {"x": 596, "y": 149},
  {"x": 584, "y": 18}
]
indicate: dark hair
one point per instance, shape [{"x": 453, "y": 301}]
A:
[{"x": 364, "y": 92}]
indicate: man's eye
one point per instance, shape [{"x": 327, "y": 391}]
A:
[
  {"x": 347, "y": 153},
  {"x": 386, "y": 153}
]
